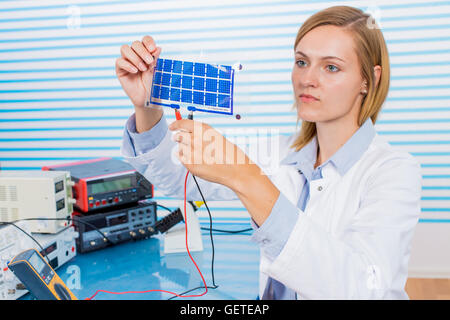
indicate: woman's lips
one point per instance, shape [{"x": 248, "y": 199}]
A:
[{"x": 306, "y": 98}]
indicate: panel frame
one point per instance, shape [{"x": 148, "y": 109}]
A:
[{"x": 187, "y": 72}]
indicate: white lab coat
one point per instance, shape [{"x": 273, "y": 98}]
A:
[{"x": 353, "y": 239}]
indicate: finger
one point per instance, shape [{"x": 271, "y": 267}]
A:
[
  {"x": 142, "y": 52},
  {"x": 122, "y": 64},
  {"x": 149, "y": 44},
  {"x": 183, "y": 124},
  {"x": 157, "y": 53},
  {"x": 184, "y": 138},
  {"x": 131, "y": 56},
  {"x": 184, "y": 154},
  {"x": 156, "y": 56}
]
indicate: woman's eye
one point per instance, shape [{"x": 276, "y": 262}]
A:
[
  {"x": 300, "y": 63},
  {"x": 332, "y": 68}
]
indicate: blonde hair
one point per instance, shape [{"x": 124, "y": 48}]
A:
[{"x": 371, "y": 50}]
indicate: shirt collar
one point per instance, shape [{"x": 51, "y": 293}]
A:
[{"x": 343, "y": 159}]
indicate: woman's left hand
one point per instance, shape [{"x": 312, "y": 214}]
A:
[{"x": 206, "y": 153}]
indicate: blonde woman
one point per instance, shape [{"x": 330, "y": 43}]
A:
[{"x": 335, "y": 220}]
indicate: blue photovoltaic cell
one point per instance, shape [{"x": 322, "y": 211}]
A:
[
  {"x": 167, "y": 65},
  {"x": 158, "y": 77},
  {"x": 186, "y": 96},
  {"x": 176, "y": 81},
  {"x": 224, "y": 101},
  {"x": 187, "y": 82},
  {"x": 156, "y": 90},
  {"x": 166, "y": 79},
  {"x": 198, "y": 97},
  {"x": 164, "y": 93},
  {"x": 211, "y": 85},
  {"x": 225, "y": 72},
  {"x": 205, "y": 87},
  {"x": 211, "y": 71},
  {"x": 199, "y": 83},
  {"x": 159, "y": 64},
  {"x": 188, "y": 68},
  {"x": 210, "y": 99},
  {"x": 175, "y": 94},
  {"x": 177, "y": 66},
  {"x": 224, "y": 86},
  {"x": 199, "y": 69}
]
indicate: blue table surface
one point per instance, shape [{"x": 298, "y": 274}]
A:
[{"x": 142, "y": 265}]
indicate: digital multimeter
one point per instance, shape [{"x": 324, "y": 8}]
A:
[{"x": 39, "y": 277}]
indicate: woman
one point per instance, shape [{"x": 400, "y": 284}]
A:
[{"x": 335, "y": 220}]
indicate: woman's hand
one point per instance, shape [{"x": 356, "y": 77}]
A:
[
  {"x": 135, "y": 68},
  {"x": 209, "y": 155}
]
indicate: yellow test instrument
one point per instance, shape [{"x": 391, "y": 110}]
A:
[{"x": 39, "y": 277}]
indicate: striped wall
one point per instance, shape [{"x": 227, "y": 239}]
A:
[{"x": 60, "y": 100}]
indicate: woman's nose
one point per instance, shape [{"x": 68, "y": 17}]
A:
[{"x": 308, "y": 77}]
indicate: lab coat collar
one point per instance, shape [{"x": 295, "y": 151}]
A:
[
  {"x": 354, "y": 148},
  {"x": 343, "y": 159}
]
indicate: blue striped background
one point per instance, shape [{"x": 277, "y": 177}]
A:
[{"x": 60, "y": 100}]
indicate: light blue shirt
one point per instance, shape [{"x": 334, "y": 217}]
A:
[
  {"x": 140, "y": 143},
  {"x": 273, "y": 234}
]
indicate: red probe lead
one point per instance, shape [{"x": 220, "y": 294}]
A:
[{"x": 178, "y": 115}]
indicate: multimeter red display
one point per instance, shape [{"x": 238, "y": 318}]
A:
[
  {"x": 39, "y": 277},
  {"x": 105, "y": 183}
]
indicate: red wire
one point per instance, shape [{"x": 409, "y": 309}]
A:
[{"x": 189, "y": 253}]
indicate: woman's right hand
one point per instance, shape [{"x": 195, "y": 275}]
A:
[{"x": 135, "y": 68}]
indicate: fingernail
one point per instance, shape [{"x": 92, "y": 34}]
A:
[
  {"x": 142, "y": 66},
  {"x": 148, "y": 59}
]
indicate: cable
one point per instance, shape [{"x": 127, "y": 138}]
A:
[
  {"x": 192, "y": 290},
  {"x": 216, "y": 230},
  {"x": 29, "y": 235},
  {"x": 165, "y": 208},
  {"x": 187, "y": 246},
  {"x": 228, "y": 231},
  {"x": 52, "y": 219},
  {"x": 191, "y": 117},
  {"x": 71, "y": 219},
  {"x": 210, "y": 231}
]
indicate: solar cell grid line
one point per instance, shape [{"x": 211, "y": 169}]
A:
[{"x": 195, "y": 85}]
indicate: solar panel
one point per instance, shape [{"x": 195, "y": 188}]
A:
[{"x": 197, "y": 86}]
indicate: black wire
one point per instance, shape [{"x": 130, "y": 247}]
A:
[
  {"x": 29, "y": 235},
  {"x": 201, "y": 287},
  {"x": 53, "y": 219},
  {"x": 191, "y": 117},
  {"x": 210, "y": 232},
  {"x": 71, "y": 219},
  {"x": 228, "y": 231},
  {"x": 215, "y": 286},
  {"x": 216, "y": 230},
  {"x": 164, "y": 207}
]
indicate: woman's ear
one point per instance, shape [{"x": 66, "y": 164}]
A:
[{"x": 377, "y": 73}]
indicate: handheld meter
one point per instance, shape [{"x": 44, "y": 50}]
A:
[{"x": 39, "y": 277}]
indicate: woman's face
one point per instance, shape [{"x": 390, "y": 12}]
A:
[{"x": 326, "y": 76}]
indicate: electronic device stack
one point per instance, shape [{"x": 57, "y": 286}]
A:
[
  {"x": 35, "y": 213},
  {"x": 113, "y": 204}
]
